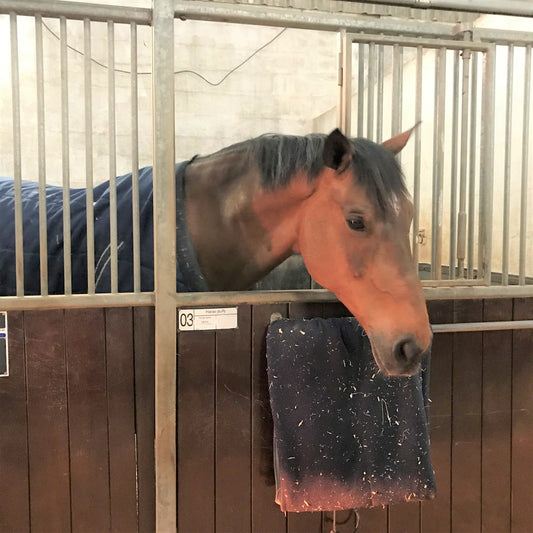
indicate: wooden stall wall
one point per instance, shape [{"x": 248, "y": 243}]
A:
[
  {"x": 77, "y": 426},
  {"x": 76, "y": 422}
]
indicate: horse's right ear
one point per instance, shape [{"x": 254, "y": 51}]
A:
[{"x": 337, "y": 151}]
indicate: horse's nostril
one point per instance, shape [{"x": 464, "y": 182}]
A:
[{"x": 407, "y": 350}]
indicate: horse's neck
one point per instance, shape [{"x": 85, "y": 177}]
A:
[{"x": 239, "y": 233}]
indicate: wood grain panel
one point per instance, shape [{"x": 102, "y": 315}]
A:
[
  {"x": 121, "y": 419},
  {"x": 14, "y": 482},
  {"x": 48, "y": 439},
  {"x": 233, "y": 419}
]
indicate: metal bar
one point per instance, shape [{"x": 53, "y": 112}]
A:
[
  {"x": 482, "y": 326},
  {"x": 89, "y": 184},
  {"x": 17, "y": 155},
  {"x": 304, "y": 19},
  {"x": 135, "y": 162},
  {"x": 438, "y": 157},
  {"x": 371, "y": 90},
  {"x": 418, "y": 153},
  {"x": 396, "y": 90},
  {"x": 472, "y": 168},
  {"x": 360, "y": 89},
  {"x": 65, "y": 156},
  {"x": 79, "y": 11},
  {"x": 41, "y": 154},
  {"x": 123, "y": 299},
  {"x": 507, "y": 166},
  {"x": 452, "y": 282},
  {"x": 453, "y": 166},
  {"x": 379, "y": 110},
  {"x": 345, "y": 106},
  {"x": 487, "y": 167},
  {"x": 462, "y": 215},
  {"x": 165, "y": 265},
  {"x": 113, "y": 227},
  {"x": 525, "y": 169}
]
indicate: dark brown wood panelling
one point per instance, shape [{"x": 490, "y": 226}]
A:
[
  {"x": 48, "y": 443},
  {"x": 496, "y": 421},
  {"x": 196, "y": 431},
  {"x": 233, "y": 425},
  {"x": 14, "y": 486},
  {"x": 266, "y": 515},
  {"x": 121, "y": 419},
  {"x": 466, "y": 421},
  {"x": 87, "y": 419},
  {"x": 522, "y": 421},
  {"x": 144, "y": 356},
  {"x": 436, "y": 514}
]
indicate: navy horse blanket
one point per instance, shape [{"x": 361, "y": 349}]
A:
[
  {"x": 345, "y": 436},
  {"x": 188, "y": 276}
]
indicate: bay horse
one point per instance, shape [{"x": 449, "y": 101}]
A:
[{"x": 339, "y": 202}]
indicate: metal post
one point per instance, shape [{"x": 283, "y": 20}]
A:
[
  {"x": 418, "y": 153},
  {"x": 345, "y": 82},
  {"x": 472, "y": 169},
  {"x": 371, "y": 90},
  {"x": 453, "y": 170},
  {"x": 165, "y": 265},
  {"x": 380, "y": 94},
  {"x": 41, "y": 150},
  {"x": 360, "y": 89}
]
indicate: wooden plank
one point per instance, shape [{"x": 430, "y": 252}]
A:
[
  {"x": 436, "y": 514},
  {"x": 404, "y": 517},
  {"x": 496, "y": 434},
  {"x": 121, "y": 419},
  {"x": 14, "y": 483},
  {"x": 48, "y": 444},
  {"x": 143, "y": 338},
  {"x": 233, "y": 432},
  {"x": 466, "y": 421},
  {"x": 305, "y": 522},
  {"x": 87, "y": 414},
  {"x": 266, "y": 515},
  {"x": 522, "y": 421},
  {"x": 196, "y": 431}
]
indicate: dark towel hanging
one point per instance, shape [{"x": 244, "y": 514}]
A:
[{"x": 345, "y": 436}]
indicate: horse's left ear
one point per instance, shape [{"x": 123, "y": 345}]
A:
[
  {"x": 397, "y": 143},
  {"x": 337, "y": 151}
]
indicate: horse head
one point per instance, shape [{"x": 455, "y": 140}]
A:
[{"x": 354, "y": 238}]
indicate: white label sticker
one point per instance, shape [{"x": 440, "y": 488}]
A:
[{"x": 210, "y": 318}]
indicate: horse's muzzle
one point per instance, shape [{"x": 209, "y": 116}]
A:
[{"x": 408, "y": 355}]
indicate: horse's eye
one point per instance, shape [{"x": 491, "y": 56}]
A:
[{"x": 356, "y": 223}]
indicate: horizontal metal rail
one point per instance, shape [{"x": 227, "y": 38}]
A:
[
  {"x": 77, "y": 11},
  {"x": 482, "y": 326}
]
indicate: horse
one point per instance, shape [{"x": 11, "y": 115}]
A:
[{"x": 339, "y": 202}]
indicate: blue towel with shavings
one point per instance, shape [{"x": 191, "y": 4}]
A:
[{"x": 345, "y": 435}]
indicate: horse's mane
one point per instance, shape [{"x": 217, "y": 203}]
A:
[{"x": 281, "y": 157}]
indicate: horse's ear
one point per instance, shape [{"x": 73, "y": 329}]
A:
[
  {"x": 397, "y": 143},
  {"x": 337, "y": 151}
]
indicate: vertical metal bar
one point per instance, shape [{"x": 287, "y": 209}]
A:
[
  {"x": 507, "y": 167},
  {"x": 89, "y": 209},
  {"x": 396, "y": 91},
  {"x": 41, "y": 151},
  {"x": 525, "y": 168},
  {"x": 438, "y": 157},
  {"x": 486, "y": 167},
  {"x": 461, "y": 216},
  {"x": 165, "y": 264},
  {"x": 418, "y": 152},
  {"x": 65, "y": 155},
  {"x": 472, "y": 167},
  {"x": 135, "y": 162},
  {"x": 360, "y": 89},
  {"x": 113, "y": 232},
  {"x": 371, "y": 90},
  {"x": 17, "y": 154},
  {"x": 453, "y": 169},
  {"x": 345, "y": 83},
  {"x": 379, "y": 110}
]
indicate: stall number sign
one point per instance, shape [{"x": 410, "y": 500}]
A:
[
  {"x": 4, "y": 361},
  {"x": 210, "y": 318}
]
